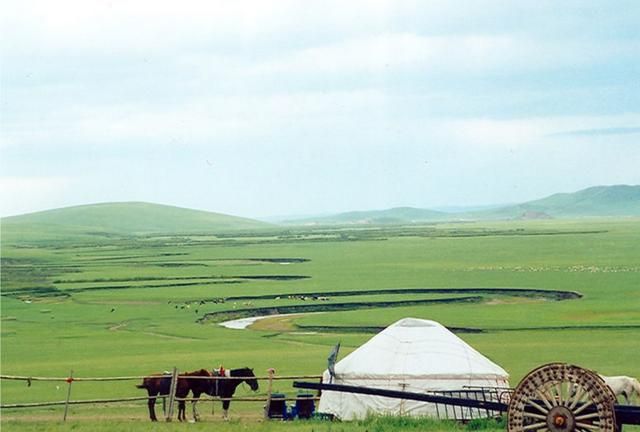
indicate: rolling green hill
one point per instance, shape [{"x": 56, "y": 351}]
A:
[{"x": 126, "y": 218}]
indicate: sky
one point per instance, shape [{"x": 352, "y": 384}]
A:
[{"x": 263, "y": 108}]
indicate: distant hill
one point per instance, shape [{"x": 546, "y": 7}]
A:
[
  {"x": 620, "y": 200},
  {"x": 128, "y": 218},
  {"x": 397, "y": 215}
]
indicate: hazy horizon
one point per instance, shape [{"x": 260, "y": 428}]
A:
[
  {"x": 452, "y": 209},
  {"x": 270, "y": 108}
]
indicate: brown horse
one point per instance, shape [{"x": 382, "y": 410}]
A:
[
  {"x": 158, "y": 385},
  {"x": 224, "y": 387}
]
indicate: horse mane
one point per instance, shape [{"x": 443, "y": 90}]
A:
[{"x": 242, "y": 372}]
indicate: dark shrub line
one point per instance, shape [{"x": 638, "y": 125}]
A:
[
  {"x": 122, "y": 287},
  {"x": 326, "y": 307},
  {"x": 160, "y": 278},
  {"x": 375, "y": 329},
  {"x": 557, "y": 295}
]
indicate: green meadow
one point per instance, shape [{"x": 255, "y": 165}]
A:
[{"x": 104, "y": 304}]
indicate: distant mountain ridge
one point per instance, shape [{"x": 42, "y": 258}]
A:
[
  {"x": 619, "y": 200},
  {"x": 131, "y": 218}
]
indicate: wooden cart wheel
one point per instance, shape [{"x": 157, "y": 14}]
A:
[{"x": 558, "y": 397}]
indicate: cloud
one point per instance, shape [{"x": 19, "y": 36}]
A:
[
  {"x": 311, "y": 94},
  {"x": 28, "y": 194},
  {"x": 134, "y": 26},
  {"x": 513, "y": 133},
  {"x": 209, "y": 121},
  {"x": 385, "y": 52},
  {"x": 598, "y": 132}
]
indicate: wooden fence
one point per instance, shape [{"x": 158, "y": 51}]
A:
[{"x": 271, "y": 377}]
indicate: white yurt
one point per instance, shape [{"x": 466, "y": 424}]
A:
[{"x": 412, "y": 355}]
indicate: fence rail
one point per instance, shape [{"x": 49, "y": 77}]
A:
[
  {"x": 139, "y": 377},
  {"x": 79, "y": 402},
  {"x": 141, "y": 398},
  {"x": 172, "y": 398},
  {"x": 484, "y": 396}
]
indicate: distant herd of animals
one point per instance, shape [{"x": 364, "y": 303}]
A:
[{"x": 223, "y": 384}]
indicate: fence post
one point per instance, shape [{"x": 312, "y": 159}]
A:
[
  {"x": 402, "y": 401},
  {"x": 66, "y": 404},
  {"x": 172, "y": 393},
  {"x": 267, "y": 407}
]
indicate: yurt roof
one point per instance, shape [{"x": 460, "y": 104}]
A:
[{"x": 418, "y": 348}]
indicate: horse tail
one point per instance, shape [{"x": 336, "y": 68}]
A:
[
  {"x": 636, "y": 386},
  {"x": 141, "y": 386}
]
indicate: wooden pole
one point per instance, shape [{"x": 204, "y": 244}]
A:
[
  {"x": 172, "y": 393},
  {"x": 66, "y": 404},
  {"x": 267, "y": 407},
  {"x": 404, "y": 388}
]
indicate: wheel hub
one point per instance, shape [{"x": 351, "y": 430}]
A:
[{"x": 560, "y": 419}]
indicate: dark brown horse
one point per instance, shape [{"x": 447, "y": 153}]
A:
[
  {"x": 158, "y": 385},
  {"x": 223, "y": 387}
]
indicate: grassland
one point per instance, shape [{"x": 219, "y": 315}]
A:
[{"x": 113, "y": 304}]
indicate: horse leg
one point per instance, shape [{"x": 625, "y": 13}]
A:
[
  {"x": 196, "y": 416},
  {"x": 151, "y": 404},
  {"x": 196, "y": 396},
  {"x": 627, "y": 397},
  {"x": 182, "y": 390},
  {"x": 225, "y": 410},
  {"x": 181, "y": 411}
]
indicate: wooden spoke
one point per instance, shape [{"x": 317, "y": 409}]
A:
[
  {"x": 588, "y": 426},
  {"x": 583, "y": 407},
  {"x": 544, "y": 399},
  {"x": 568, "y": 392},
  {"x": 558, "y": 397},
  {"x": 587, "y": 416},
  {"x": 538, "y": 407},
  {"x": 577, "y": 397},
  {"x": 535, "y": 426},
  {"x": 550, "y": 393},
  {"x": 535, "y": 416}
]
